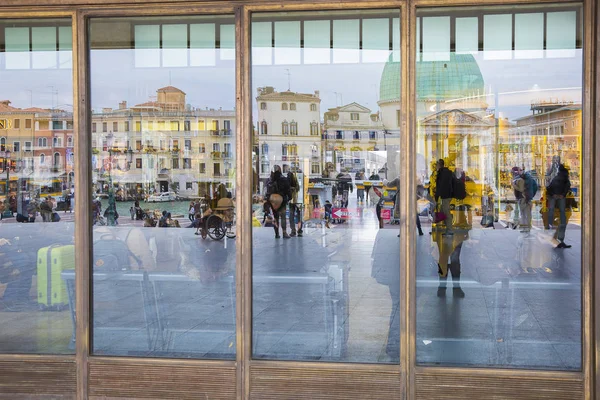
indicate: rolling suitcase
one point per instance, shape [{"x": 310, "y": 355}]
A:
[{"x": 51, "y": 288}]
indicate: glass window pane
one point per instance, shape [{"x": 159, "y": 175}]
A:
[
  {"x": 436, "y": 38},
  {"x": 317, "y": 36},
  {"x": 326, "y": 281},
  {"x": 529, "y": 35},
  {"x": 497, "y": 36},
  {"x": 346, "y": 41},
  {"x": 499, "y": 143},
  {"x": 147, "y": 44},
  {"x": 65, "y": 47},
  {"x": 43, "y": 46},
  {"x": 227, "y": 42},
  {"x": 467, "y": 35},
  {"x": 202, "y": 45},
  {"x": 161, "y": 290},
  {"x": 37, "y": 177},
  {"x": 376, "y": 37},
  {"x": 561, "y": 28},
  {"x": 287, "y": 42},
  {"x": 174, "y": 45},
  {"x": 17, "y": 48}
]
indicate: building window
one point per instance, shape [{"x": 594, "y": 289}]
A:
[
  {"x": 56, "y": 160},
  {"x": 263, "y": 106},
  {"x": 227, "y": 127},
  {"x": 28, "y": 123},
  {"x": 216, "y": 147},
  {"x": 356, "y": 135},
  {"x": 16, "y": 147},
  {"x": 187, "y": 126},
  {"x": 42, "y": 159},
  {"x": 93, "y": 127},
  {"x": 217, "y": 169},
  {"x": 105, "y": 127},
  {"x": 42, "y": 142},
  {"x": 294, "y": 128},
  {"x": 57, "y": 142},
  {"x": 69, "y": 141},
  {"x": 187, "y": 143},
  {"x": 313, "y": 107},
  {"x": 115, "y": 127},
  {"x": 126, "y": 126},
  {"x": 339, "y": 135},
  {"x": 175, "y": 162},
  {"x": 263, "y": 128},
  {"x": 284, "y": 149},
  {"x": 201, "y": 148},
  {"x": 285, "y": 128},
  {"x": 284, "y": 106},
  {"x": 292, "y": 106},
  {"x": 138, "y": 126},
  {"x": 215, "y": 124},
  {"x": 175, "y": 125},
  {"x": 354, "y": 116},
  {"x": 27, "y": 146},
  {"x": 187, "y": 163},
  {"x": 188, "y": 186},
  {"x": 314, "y": 129},
  {"x": 265, "y": 148},
  {"x": 202, "y": 168},
  {"x": 315, "y": 168},
  {"x": 56, "y": 125},
  {"x": 265, "y": 167},
  {"x": 161, "y": 144},
  {"x": 138, "y": 163},
  {"x": 17, "y": 124},
  {"x": 138, "y": 145}
]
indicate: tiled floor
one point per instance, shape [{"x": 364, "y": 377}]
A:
[{"x": 332, "y": 295}]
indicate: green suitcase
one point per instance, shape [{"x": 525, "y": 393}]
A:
[{"x": 51, "y": 288}]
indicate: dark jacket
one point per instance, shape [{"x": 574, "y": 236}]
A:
[
  {"x": 560, "y": 185},
  {"x": 444, "y": 184},
  {"x": 282, "y": 187}
]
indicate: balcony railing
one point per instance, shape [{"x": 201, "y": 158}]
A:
[
  {"x": 215, "y": 155},
  {"x": 215, "y": 132},
  {"x": 226, "y": 154},
  {"x": 226, "y": 132}
]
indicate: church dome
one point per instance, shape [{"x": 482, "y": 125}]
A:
[{"x": 436, "y": 80}]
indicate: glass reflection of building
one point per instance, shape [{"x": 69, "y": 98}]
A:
[
  {"x": 175, "y": 147},
  {"x": 40, "y": 142}
]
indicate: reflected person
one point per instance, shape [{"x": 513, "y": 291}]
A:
[
  {"x": 557, "y": 192},
  {"x": 386, "y": 271},
  {"x": 450, "y": 248}
]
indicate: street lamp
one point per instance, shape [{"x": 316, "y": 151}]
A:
[{"x": 112, "y": 207}]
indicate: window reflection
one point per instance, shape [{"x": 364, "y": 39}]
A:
[
  {"x": 164, "y": 187},
  {"x": 326, "y": 277},
  {"x": 37, "y": 178},
  {"x": 498, "y": 172}
]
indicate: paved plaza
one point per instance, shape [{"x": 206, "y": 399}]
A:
[{"x": 332, "y": 295}]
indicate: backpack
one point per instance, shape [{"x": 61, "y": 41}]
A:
[
  {"x": 272, "y": 187},
  {"x": 113, "y": 255},
  {"x": 531, "y": 186},
  {"x": 459, "y": 191}
]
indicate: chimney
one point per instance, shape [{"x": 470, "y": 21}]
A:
[
  {"x": 317, "y": 93},
  {"x": 106, "y": 110},
  {"x": 123, "y": 105}
]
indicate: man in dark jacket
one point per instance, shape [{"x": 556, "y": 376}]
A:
[
  {"x": 279, "y": 184},
  {"x": 557, "y": 193},
  {"x": 443, "y": 190}
]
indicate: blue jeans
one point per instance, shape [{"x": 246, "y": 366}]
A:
[{"x": 562, "y": 202}]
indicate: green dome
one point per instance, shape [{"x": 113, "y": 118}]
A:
[{"x": 436, "y": 80}]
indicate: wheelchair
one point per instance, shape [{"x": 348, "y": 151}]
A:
[{"x": 221, "y": 222}]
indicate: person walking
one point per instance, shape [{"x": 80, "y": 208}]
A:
[
  {"x": 444, "y": 190},
  {"x": 360, "y": 187},
  {"x": 294, "y": 214},
  {"x": 191, "y": 212},
  {"x": 525, "y": 189},
  {"x": 279, "y": 193},
  {"x": 556, "y": 193}
]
